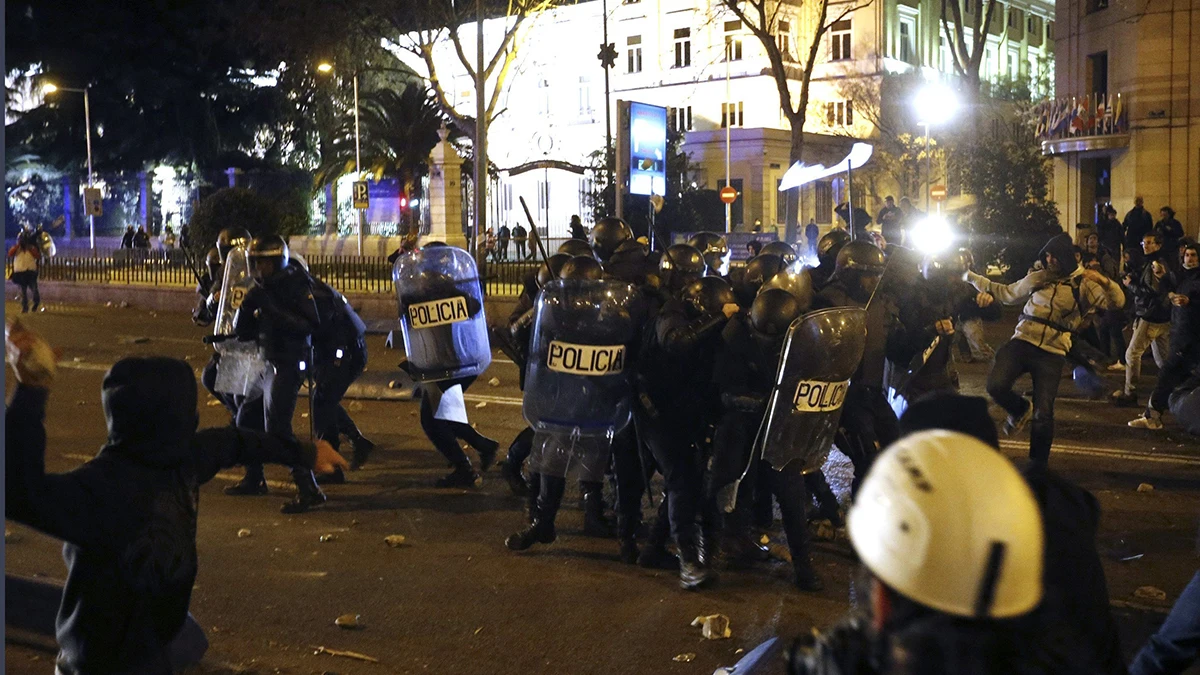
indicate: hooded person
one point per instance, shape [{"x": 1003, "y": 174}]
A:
[
  {"x": 1056, "y": 299},
  {"x": 128, "y": 516}
]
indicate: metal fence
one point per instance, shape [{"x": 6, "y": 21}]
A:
[{"x": 348, "y": 274}]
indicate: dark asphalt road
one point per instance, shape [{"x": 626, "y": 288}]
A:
[{"x": 453, "y": 600}]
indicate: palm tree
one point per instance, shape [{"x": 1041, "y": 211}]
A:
[{"x": 397, "y": 129}]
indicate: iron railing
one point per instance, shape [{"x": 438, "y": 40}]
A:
[{"x": 348, "y": 274}]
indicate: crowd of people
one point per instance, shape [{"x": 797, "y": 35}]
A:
[{"x": 732, "y": 385}]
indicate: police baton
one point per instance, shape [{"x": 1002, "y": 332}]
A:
[
  {"x": 187, "y": 258},
  {"x": 541, "y": 249}
]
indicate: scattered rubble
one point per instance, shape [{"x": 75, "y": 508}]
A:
[
  {"x": 713, "y": 626},
  {"x": 243, "y": 533}
]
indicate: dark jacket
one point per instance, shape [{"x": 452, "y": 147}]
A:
[
  {"x": 675, "y": 371},
  {"x": 1109, "y": 232},
  {"x": 128, "y": 516},
  {"x": 1137, "y": 223},
  {"x": 1185, "y": 320},
  {"x": 281, "y": 314},
  {"x": 205, "y": 312},
  {"x": 1171, "y": 231},
  {"x": 887, "y": 336},
  {"x": 127, "y": 239},
  {"x": 1150, "y": 300},
  {"x": 339, "y": 327}
]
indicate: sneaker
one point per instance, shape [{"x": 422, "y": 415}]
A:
[
  {"x": 1014, "y": 425},
  {"x": 303, "y": 503},
  {"x": 1122, "y": 400},
  {"x": 247, "y": 489},
  {"x": 1151, "y": 419},
  {"x": 693, "y": 573},
  {"x": 1117, "y": 367},
  {"x": 463, "y": 477}
]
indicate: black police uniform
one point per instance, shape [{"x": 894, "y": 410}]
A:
[
  {"x": 339, "y": 357},
  {"x": 282, "y": 315},
  {"x": 203, "y": 315}
]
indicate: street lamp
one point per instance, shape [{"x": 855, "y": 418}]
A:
[
  {"x": 327, "y": 68},
  {"x": 50, "y": 88},
  {"x": 934, "y": 104}
]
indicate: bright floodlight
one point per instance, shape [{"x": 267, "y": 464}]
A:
[
  {"x": 49, "y": 88},
  {"x": 935, "y": 104},
  {"x": 932, "y": 235},
  {"x": 324, "y": 67}
]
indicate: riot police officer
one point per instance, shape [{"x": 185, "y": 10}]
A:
[
  {"x": 867, "y": 417},
  {"x": 782, "y": 249},
  {"x": 827, "y": 252},
  {"x": 280, "y": 313},
  {"x": 339, "y": 357},
  {"x": 716, "y": 252},
  {"x": 677, "y": 402},
  {"x": 681, "y": 264},
  {"x": 208, "y": 290},
  {"x": 758, "y": 271}
]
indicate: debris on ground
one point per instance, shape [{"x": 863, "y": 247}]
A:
[
  {"x": 355, "y": 406},
  {"x": 824, "y": 530},
  {"x": 478, "y": 630},
  {"x": 1150, "y": 593},
  {"x": 213, "y": 403},
  {"x": 243, "y": 533},
  {"x": 344, "y": 654},
  {"x": 140, "y": 340},
  {"x": 713, "y": 626},
  {"x": 1145, "y": 487},
  {"x": 304, "y": 415},
  {"x": 684, "y": 658},
  {"x": 394, "y": 540},
  {"x": 481, "y": 404},
  {"x": 80, "y": 402},
  {"x": 495, "y": 382},
  {"x": 348, "y": 621},
  {"x": 326, "y": 538}
]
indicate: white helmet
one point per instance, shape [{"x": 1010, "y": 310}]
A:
[{"x": 948, "y": 522}]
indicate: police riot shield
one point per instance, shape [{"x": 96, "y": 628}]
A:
[
  {"x": 559, "y": 454},
  {"x": 820, "y": 354},
  {"x": 579, "y": 380},
  {"x": 241, "y": 365},
  {"x": 441, "y": 314}
]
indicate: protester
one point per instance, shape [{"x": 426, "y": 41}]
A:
[
  {"x": 520, "y": 235},
  {"x": 128, "y": 516},
  {"x": 1108, "y": 231},
  {"x": 753, "y": 248},
  {"x": 26, "y": 256},
  {"x": 812, "y": 234},
  {"x": 127, "y": 238},
  {"x": 1171, "y": 232},
  {"x": 141, "y": 240},
  {"x": 1137, "y": 223},
  {"x": 576, "y": 228},
  {"x": 1150, "y": 288}
]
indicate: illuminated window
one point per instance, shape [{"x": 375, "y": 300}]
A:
[
  {"x": 839, "y": 34},
  {"x": 683, "y": 47},
  {"x": 634, "y": 54},
  {"x": 733, "y": 41}
]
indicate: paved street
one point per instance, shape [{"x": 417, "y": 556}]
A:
[{"x": 454, "y": 600}]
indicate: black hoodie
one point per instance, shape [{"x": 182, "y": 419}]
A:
[{"x": 128, "y": 516}]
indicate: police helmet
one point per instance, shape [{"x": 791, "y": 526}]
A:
[
  {"x": 773, "y": 311},
  {"x": 581, "y": 267},
  {"x": 758, "y": 271},
  {"x": 555, "y": 262},
  {"x": 799, "y": 284},
  {"x": 634, "y": 246},
  {"x": 715, "y": 250},
  {"x": 574, "y": 247},
  {"x": 965, "y": 260},
  {"x": 861, "y": 256},
  {"x": 782, "y": 249},
  {"x": 707, "y": 295},
  {"x": 680, "y": 265},
  {"x": 948, "y": 522},
  {"x": 231, "y": 238},
  {"x": 213, "y": 262},
  {"x": 270, "y": 247},
  {"x": 607, "y": 235},
  {"x": 829, "y": 246}
]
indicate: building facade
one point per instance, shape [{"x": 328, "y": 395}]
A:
[
  {"x": 1126, "y": 115},
  {"x": 712, "y": 72}
]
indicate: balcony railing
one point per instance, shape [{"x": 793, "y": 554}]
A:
[{"x": 1075, "y": 117}]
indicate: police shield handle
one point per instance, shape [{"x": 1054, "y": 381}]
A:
[{"x": 362, "y": 196}]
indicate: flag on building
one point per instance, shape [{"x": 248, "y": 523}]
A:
[{"x": 1101, "y": 113}]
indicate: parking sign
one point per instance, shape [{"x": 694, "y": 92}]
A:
[{"x": 361, "y": 196}]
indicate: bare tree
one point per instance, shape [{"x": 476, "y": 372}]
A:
[
  {"x": 966, "y": 57},
  {"x": 761, "y": 17}
]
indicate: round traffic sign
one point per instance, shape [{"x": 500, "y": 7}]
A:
[{"x": 728, "y": 194}]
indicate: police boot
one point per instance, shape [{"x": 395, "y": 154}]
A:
[
  {"x": 247, "y": 488},
  {"x": 540, "y": 531},
  {"x": 594, "y": 522},
  {"x": 655, "y": 554},
  {"x": 805, "y": 576},
  {"x": 461, "y": 477},
  {"x": 309, "y": 496},
  {"x": 516, "y": 482},
  {"x": 362, "y": 451},
  {"x": 531, "y": 498},
  {"x": 693, "y": 573}
]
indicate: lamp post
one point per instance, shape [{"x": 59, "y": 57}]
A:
[
  {"x": 934, "y": 104},
  {"x": 87, "y": 120}
]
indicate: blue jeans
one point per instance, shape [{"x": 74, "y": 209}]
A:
[
  {"x": 1176, "y": 645},
  {"x": 1014, "y": 359}
]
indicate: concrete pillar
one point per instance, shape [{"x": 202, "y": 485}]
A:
[
  {"x": 145, "y": 211},
  {"x": 445, "y": 194},
  {"x": 331, "y": 208},
  {"x": 70, "y": 204}
]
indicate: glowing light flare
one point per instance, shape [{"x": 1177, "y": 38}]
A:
[
  {"x": 324, "y": 68},
  {"x": 801, "y": 174},
  {"x": 932, "y": 235},
  {"x": 49, "y": 88},
  {"x": 935, "y": 104}
]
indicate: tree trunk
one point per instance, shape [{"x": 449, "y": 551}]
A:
[
  {"x": 331, "y": 208},
  {"x": 795, "y": 154}
]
